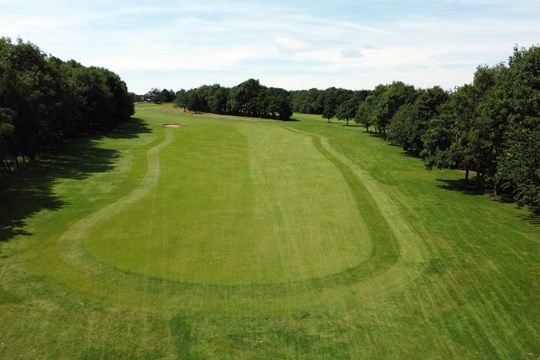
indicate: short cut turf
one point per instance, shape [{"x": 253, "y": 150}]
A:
[{"x": 250, "y": 239}]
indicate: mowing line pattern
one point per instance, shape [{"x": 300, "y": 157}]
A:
[
  {"x": 410, "y": 251},
  {"x": 393, "y": 262},
  {"x": 73, "y": 238}
]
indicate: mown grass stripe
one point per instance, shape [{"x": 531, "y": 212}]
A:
[
  {"x": 402, "y": 242},
  {"x": 71, "y": 239}
]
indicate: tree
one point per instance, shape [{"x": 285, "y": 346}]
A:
[
  {"x": 162, "y": 96},
  {"x": 461, "y": 114},
  {"x": 411, "y": 120},
  {"x": 216, "y": 98},
  {"x": 347, "y": 110},
  {"x": 7, "y": 118},
  {"x": 471, "y": 147},
  {"x": 249, "y": 98},
  {"x": 181, "y": 99},
  {"x": 365, "y": 112},
  {"x": 245, "y": 99},
  {"x": 437, "y": 140},
  {"x": 388, "y": 103},
  {"x": 402, "y": 126},
  {"x": 308, "y": 101},
  {"x": 329, "y": 112},
  {"x": 123, "y": 101},
  {"x": 518, "y": 163},
  {"x": 277, "y": 103},
  {"x": 196, "y": 101},
  {"x": 518, "y": 170},
  {"x": 333, "y": 98}
]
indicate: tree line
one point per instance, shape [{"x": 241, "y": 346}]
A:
[
  {"x": 332, "y": 102},
  {"x": 44, "y": 101},
  {"x": 490, "y": 127},
  {"x": 249, "y": 98}
]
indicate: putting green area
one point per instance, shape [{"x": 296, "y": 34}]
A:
[{"x": 237, "y": 238}]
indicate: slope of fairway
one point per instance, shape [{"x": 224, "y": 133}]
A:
[{"x": 234, "y": 238}]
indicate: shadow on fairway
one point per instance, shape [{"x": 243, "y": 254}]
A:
[
  {"x": 31, "y": 189},
  {"x": 130, "y": 130},
  {"x": 533, "y": 217},
  {"x": 461, "y": 185}
]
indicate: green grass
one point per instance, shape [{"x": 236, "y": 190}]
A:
[{"x": 252, "y": 239}]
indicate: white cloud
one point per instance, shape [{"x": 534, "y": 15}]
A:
[
  {"x": 289, "y": 45},
  {"x": 293, "y": 43}
]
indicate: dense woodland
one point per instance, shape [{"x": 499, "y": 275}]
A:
[
  {"x": 249, "y": 98},
  {"x": 45, "y": 101},
  {"x": 491, "y": 127}
]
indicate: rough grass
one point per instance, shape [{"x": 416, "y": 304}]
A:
[{"x": 235, "y": 238}]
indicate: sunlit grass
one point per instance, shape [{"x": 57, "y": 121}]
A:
[{"x": 240, "y": 238}]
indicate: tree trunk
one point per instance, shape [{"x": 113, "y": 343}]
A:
[
  {"x": 467, "y": 175},
  {"x": 7, "y": 166},
  {"x": 478, "y": 180}
]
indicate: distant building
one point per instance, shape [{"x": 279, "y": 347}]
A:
[{"x": 143, "y": 98}]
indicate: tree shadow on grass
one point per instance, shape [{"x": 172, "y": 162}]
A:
[
  {"x": 130, "y": 130},
  {"x": 464, "y": 186},
  {"x": 291, "y": 119},
  {"x": 532, "y": 216},
  {"x": 30, "y": 189}
]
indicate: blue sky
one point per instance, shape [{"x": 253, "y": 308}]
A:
[{"x": 290, "y": 44}]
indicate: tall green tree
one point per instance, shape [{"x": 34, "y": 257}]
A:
[
  {"x": 277, "y": 103},
  {"x": 347, "y": 110},
  {"x": 518, "y": 164},
  {"x": 7, "y": 118},
  {"x": 162, "y": 95},
  {"x": 438, "y": 138},
  {"x": 217, "y": 98},
  {"x": 366, "y": 110},
  {"x": 388, "y": 103},
  {"x": 181, "y": 99},
  {"x": 411, "y": 121},
  {"x": 245, "y": 99}
]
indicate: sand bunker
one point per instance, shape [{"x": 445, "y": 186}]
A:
[{"x": 172, "y": 125}]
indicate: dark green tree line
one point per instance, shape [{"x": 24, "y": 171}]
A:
[
  {"x": 44, "y": 101},
  {"x": 329, "y": 103},
  {"x": 490, "y": 128},
  {"x": 249, "y": 98},
  {"x": 162, "y": 95}
]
